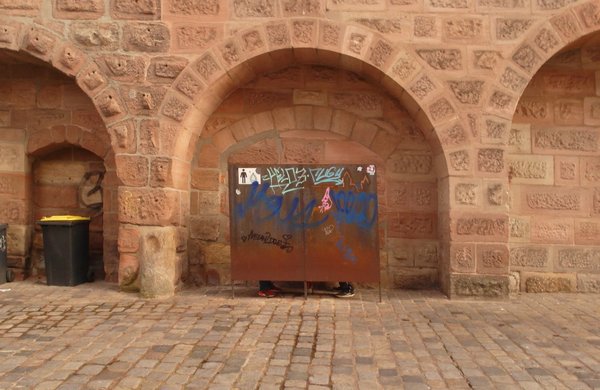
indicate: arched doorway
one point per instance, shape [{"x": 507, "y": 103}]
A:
[
  {"x": 307, "y": 113},
  {"x": 51, "y": 137}
]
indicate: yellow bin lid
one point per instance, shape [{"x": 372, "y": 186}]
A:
[{"x": 57, "y": 218}]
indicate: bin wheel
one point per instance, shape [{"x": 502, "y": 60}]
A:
[
  {"x": 90, "y": 276},
  {"x": 10, "y": 275}
]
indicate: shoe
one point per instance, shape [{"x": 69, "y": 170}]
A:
[
  {"x": 345, "y": 294},
  {"x": 267, "y": 293}
]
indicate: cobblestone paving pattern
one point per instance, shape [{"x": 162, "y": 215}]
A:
[{"x": 95, "y": 337}]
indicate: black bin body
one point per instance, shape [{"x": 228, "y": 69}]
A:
[
  {"x": 66, "y": 252},
  {"x": 3, "y": 250}
]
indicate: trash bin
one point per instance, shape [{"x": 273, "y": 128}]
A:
[{"x": 66, "y": 249}]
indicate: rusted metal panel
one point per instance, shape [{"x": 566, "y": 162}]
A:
[{"x": 304, "y": 222}]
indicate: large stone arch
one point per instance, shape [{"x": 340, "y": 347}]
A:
[
  {"x": 39, "y": 44},
  {"x": 554, "y": 248},
  {"x": 218, "y": 70}
]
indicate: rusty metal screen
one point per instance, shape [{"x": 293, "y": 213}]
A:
[{"x": 304, "y": 223}]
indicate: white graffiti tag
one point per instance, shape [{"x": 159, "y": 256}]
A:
[
  {"x": 286, "y": 179},
  {"x": 327, "y": 175}
]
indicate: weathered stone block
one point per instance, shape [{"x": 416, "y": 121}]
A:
[
  {"x": 402, "y": 163},
  {"x": 490, "y": 160},
  {"x": 96, "y": 36},
  {"x": 140, "y": 10},
  {"x": 162, "y": 172},
  {"x": 148, "y": 206},
  {"x": 22, "y": 7},
  {"x": 254, "y": 8},
  {"x": 577, "y": 259},
  {"x": 412, "y": 225},
  {"x": 464, "y": 29},
  {"x": 124, "y": 68},
  {"x": 480, "y": 227},
  {"x": 143, "y": 100},
  {"x": 158, "y": 272},
  {"x": 531, "y": 169},
  {"x": 19, "y": 238},
  {"x": 39, "y": 43},
  {"x": 55, "y": 196},
  {"x": 78, "y": 9},
  {"x": 166, "y": 69},
  {"x": 415, "y": 278},
  {"x": 129, "y": 239},
  {"x": 426, "y": 27},
  {"x": 508, "y": 29},
  {"x": 587, "y": 232},
  {"x": 122, "y": 137},
  {"x": 566, "y": 171},
  {"x": 549, "y": 283},
  {"x": 555, "y": 200},
  {"x": 12, "y": 157},
  {"x": 196, "y": 8},
  {"x": 588, "y": 283},
  {"x": 91, "y": 79},
  {"x": 519, "y": 229},
  {"x": 466, "y": 194},
  {"x": 442, "y": 59},
  {"x": 519, "y": 140},
  {"x": 467, "y": 91},
  {"x": 206, "y": 179},
  {"x": 59, "y": 172},
  {"x": 15, "y": 186},
  {"x": 357, "y": 5},
  {"x": 492, "y": 259},
  {"x": 207, "y": 228},
  {"x": 463, "y": 258},
  {"x": 132, "y": 170},
  {"x": 552, "y": 230},
  {"x": 146, "y": 37},
  {"x": 530, "y": 258},
  {"x": 478, "y": 286}
]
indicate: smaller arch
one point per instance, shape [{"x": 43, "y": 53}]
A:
[
  {"x": 516, "y": 71},
  {"x": 48, "y": 140},
  {"x": 59, "y": 53}
]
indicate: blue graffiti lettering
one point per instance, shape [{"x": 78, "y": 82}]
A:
[
  {"x": 354, "y": 208},
  {"x": 266, "y": 207},
  {"x": 347, "y": 252}
]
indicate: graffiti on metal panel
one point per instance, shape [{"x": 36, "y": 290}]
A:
[
  {"x": 266, "y": 238},
  {"x": 266, "y": 207},
  {"x": 339, "y": 202}
]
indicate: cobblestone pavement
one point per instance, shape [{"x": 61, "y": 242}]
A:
[{"x": 93, "y": 336}]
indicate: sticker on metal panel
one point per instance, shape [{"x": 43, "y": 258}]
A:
[{"x": 247, "y": 176}]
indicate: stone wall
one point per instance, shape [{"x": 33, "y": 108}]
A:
[
  {"x": 165, "y": 79},
  {"x": 554, "y": 167}
]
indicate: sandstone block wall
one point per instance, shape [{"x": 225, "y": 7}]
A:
[{"x": 482, "y": 114}]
